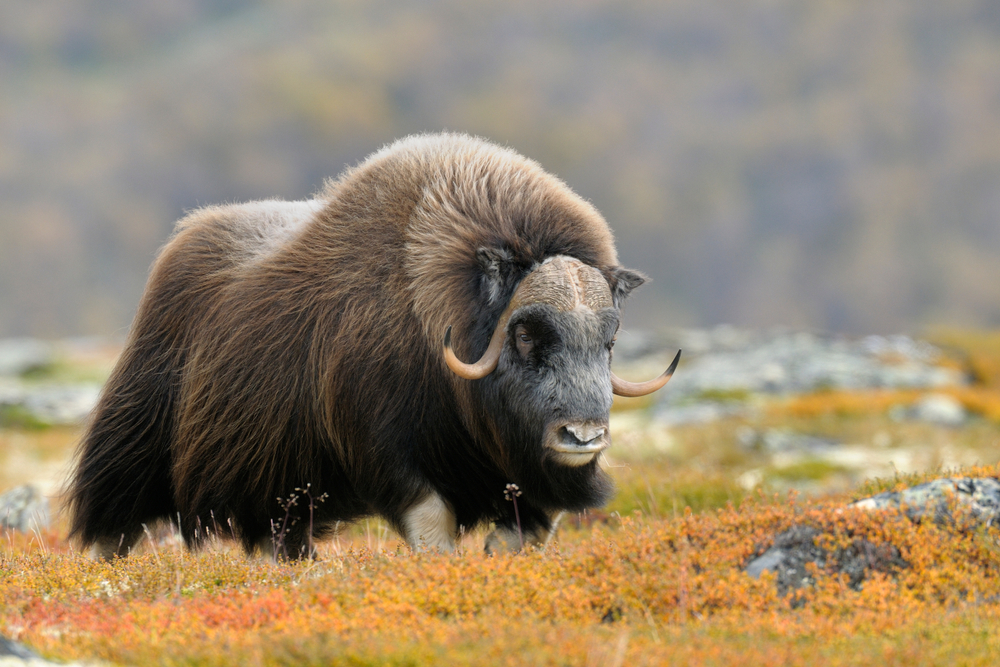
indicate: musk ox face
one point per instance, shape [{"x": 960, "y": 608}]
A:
[
  {"x": 553, "y": 381},
  {"x": 546, "y": 376}
]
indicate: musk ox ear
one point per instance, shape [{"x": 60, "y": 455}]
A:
[
  {"x": 623, "y": 281},
  {"x": 501, "y": 273}
]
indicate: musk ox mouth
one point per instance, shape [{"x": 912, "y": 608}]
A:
[{"x": 577, "y": 444}]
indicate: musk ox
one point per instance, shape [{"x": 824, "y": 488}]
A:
[{"x": 285, "y": 344}]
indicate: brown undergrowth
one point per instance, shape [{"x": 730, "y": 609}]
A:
[
  {"x": 636, "y": 590},
  {"x": 656, "y": 578}
]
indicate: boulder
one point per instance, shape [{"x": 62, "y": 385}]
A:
[
  {"x": 934, "y": 499},
  {"x": 24, "y": 508},
  {"x": 11, "y": 649},
  {"x": 794, "y": 549},
  {"x": 791, "y": 551}
]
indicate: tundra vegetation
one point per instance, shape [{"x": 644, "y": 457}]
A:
[{"x": 657, "y": 577}]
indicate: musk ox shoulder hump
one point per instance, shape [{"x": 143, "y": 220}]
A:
[
  {"x": 252, "y": 230},
  {"x": 456, "y": 196}
]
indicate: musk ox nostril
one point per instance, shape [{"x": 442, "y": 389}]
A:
[{"x": 584, "y": 434}]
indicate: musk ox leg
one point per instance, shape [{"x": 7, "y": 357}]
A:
[
  {"x": 122, "y": 477},
  {"x": 110, "y": 547},
  {"x": 505, "y": 538},
  {"x": 291, "y": 546},
  {"x": 430, "y": 524}
]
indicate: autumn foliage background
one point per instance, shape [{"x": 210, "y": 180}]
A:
[{"x": 825, "y": 165}]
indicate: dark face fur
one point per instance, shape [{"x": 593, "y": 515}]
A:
[
  {"x": 545, "y": 381},
  {"x": 550, "y": 399},
  {"x": 554, "y": 378}
]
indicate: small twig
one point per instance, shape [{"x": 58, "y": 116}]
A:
[
  {"x": 312, "y": 507},
  {"x": 279, "y": 543},
  {"x": 511, "y": 494}
]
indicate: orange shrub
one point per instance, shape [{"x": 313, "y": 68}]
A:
[{"x": 640, "y": 591}]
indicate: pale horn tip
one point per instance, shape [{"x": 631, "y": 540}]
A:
[{"x": 635, "y": 389}]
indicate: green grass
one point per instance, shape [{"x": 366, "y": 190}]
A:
[{"x": 19, "y": 418}]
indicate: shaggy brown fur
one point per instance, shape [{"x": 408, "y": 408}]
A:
[{"x": 279, "y": 344}]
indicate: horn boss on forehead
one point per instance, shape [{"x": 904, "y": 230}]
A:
[{"x": 564, "y": 283}]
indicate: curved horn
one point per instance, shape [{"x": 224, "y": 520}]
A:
[
  {"x": 633, "y": 389},
  {"x": 486, "y": 365}
]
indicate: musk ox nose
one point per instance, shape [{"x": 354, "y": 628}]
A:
[
  {"x": 585, "y": 433},
  {"x": 577, "y": 444}
]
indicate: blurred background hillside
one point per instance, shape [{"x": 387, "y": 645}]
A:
[{"x": 830, "y": 165}]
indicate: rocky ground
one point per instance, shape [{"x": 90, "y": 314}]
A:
[
  {"x": 719, "y": 367},
  {"x": 724, "y": 366},
  {"x": 726, "y": 376},
  {"x": 722, "y": 404}
]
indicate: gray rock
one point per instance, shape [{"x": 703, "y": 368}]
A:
[
  {"x": 50, "y": 403},
  {"x": 933, "y": 408},
  {"x": 10, "y": 648},
  {"x": 46, "y": 401},
  {"x": 980, "y": 495},
  {"x": 724, "y": 367},
  {"x": 727, "y": 360},
  {"x": 62, "y": 404},
  {"x": 794, "y": 549},
  {"x": 782, "y": 441},
  {"x": 771, "y": 561},
  {"x": 14, "y": 654},
  {"x": 19, "y": 355},
  {"x": 24, "y": 509}
]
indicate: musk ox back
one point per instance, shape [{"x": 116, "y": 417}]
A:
[{"x": 320, "y": 343}]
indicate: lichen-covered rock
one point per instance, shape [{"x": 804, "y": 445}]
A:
[
  {"x": 24, "y": 508},
  {"x": 788, "y": 557},
  {"x": 794, "y": 549},
  {"x": 980, "y": 495},
  {"x": 725, "y": 365}
]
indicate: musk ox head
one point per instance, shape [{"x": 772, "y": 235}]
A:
[{"x": 547, "y": 371}]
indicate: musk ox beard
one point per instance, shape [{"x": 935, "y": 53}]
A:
[{"x": 285, "y": 344}]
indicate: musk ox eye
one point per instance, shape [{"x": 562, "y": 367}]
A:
[{"x": 523, "y": 341}]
